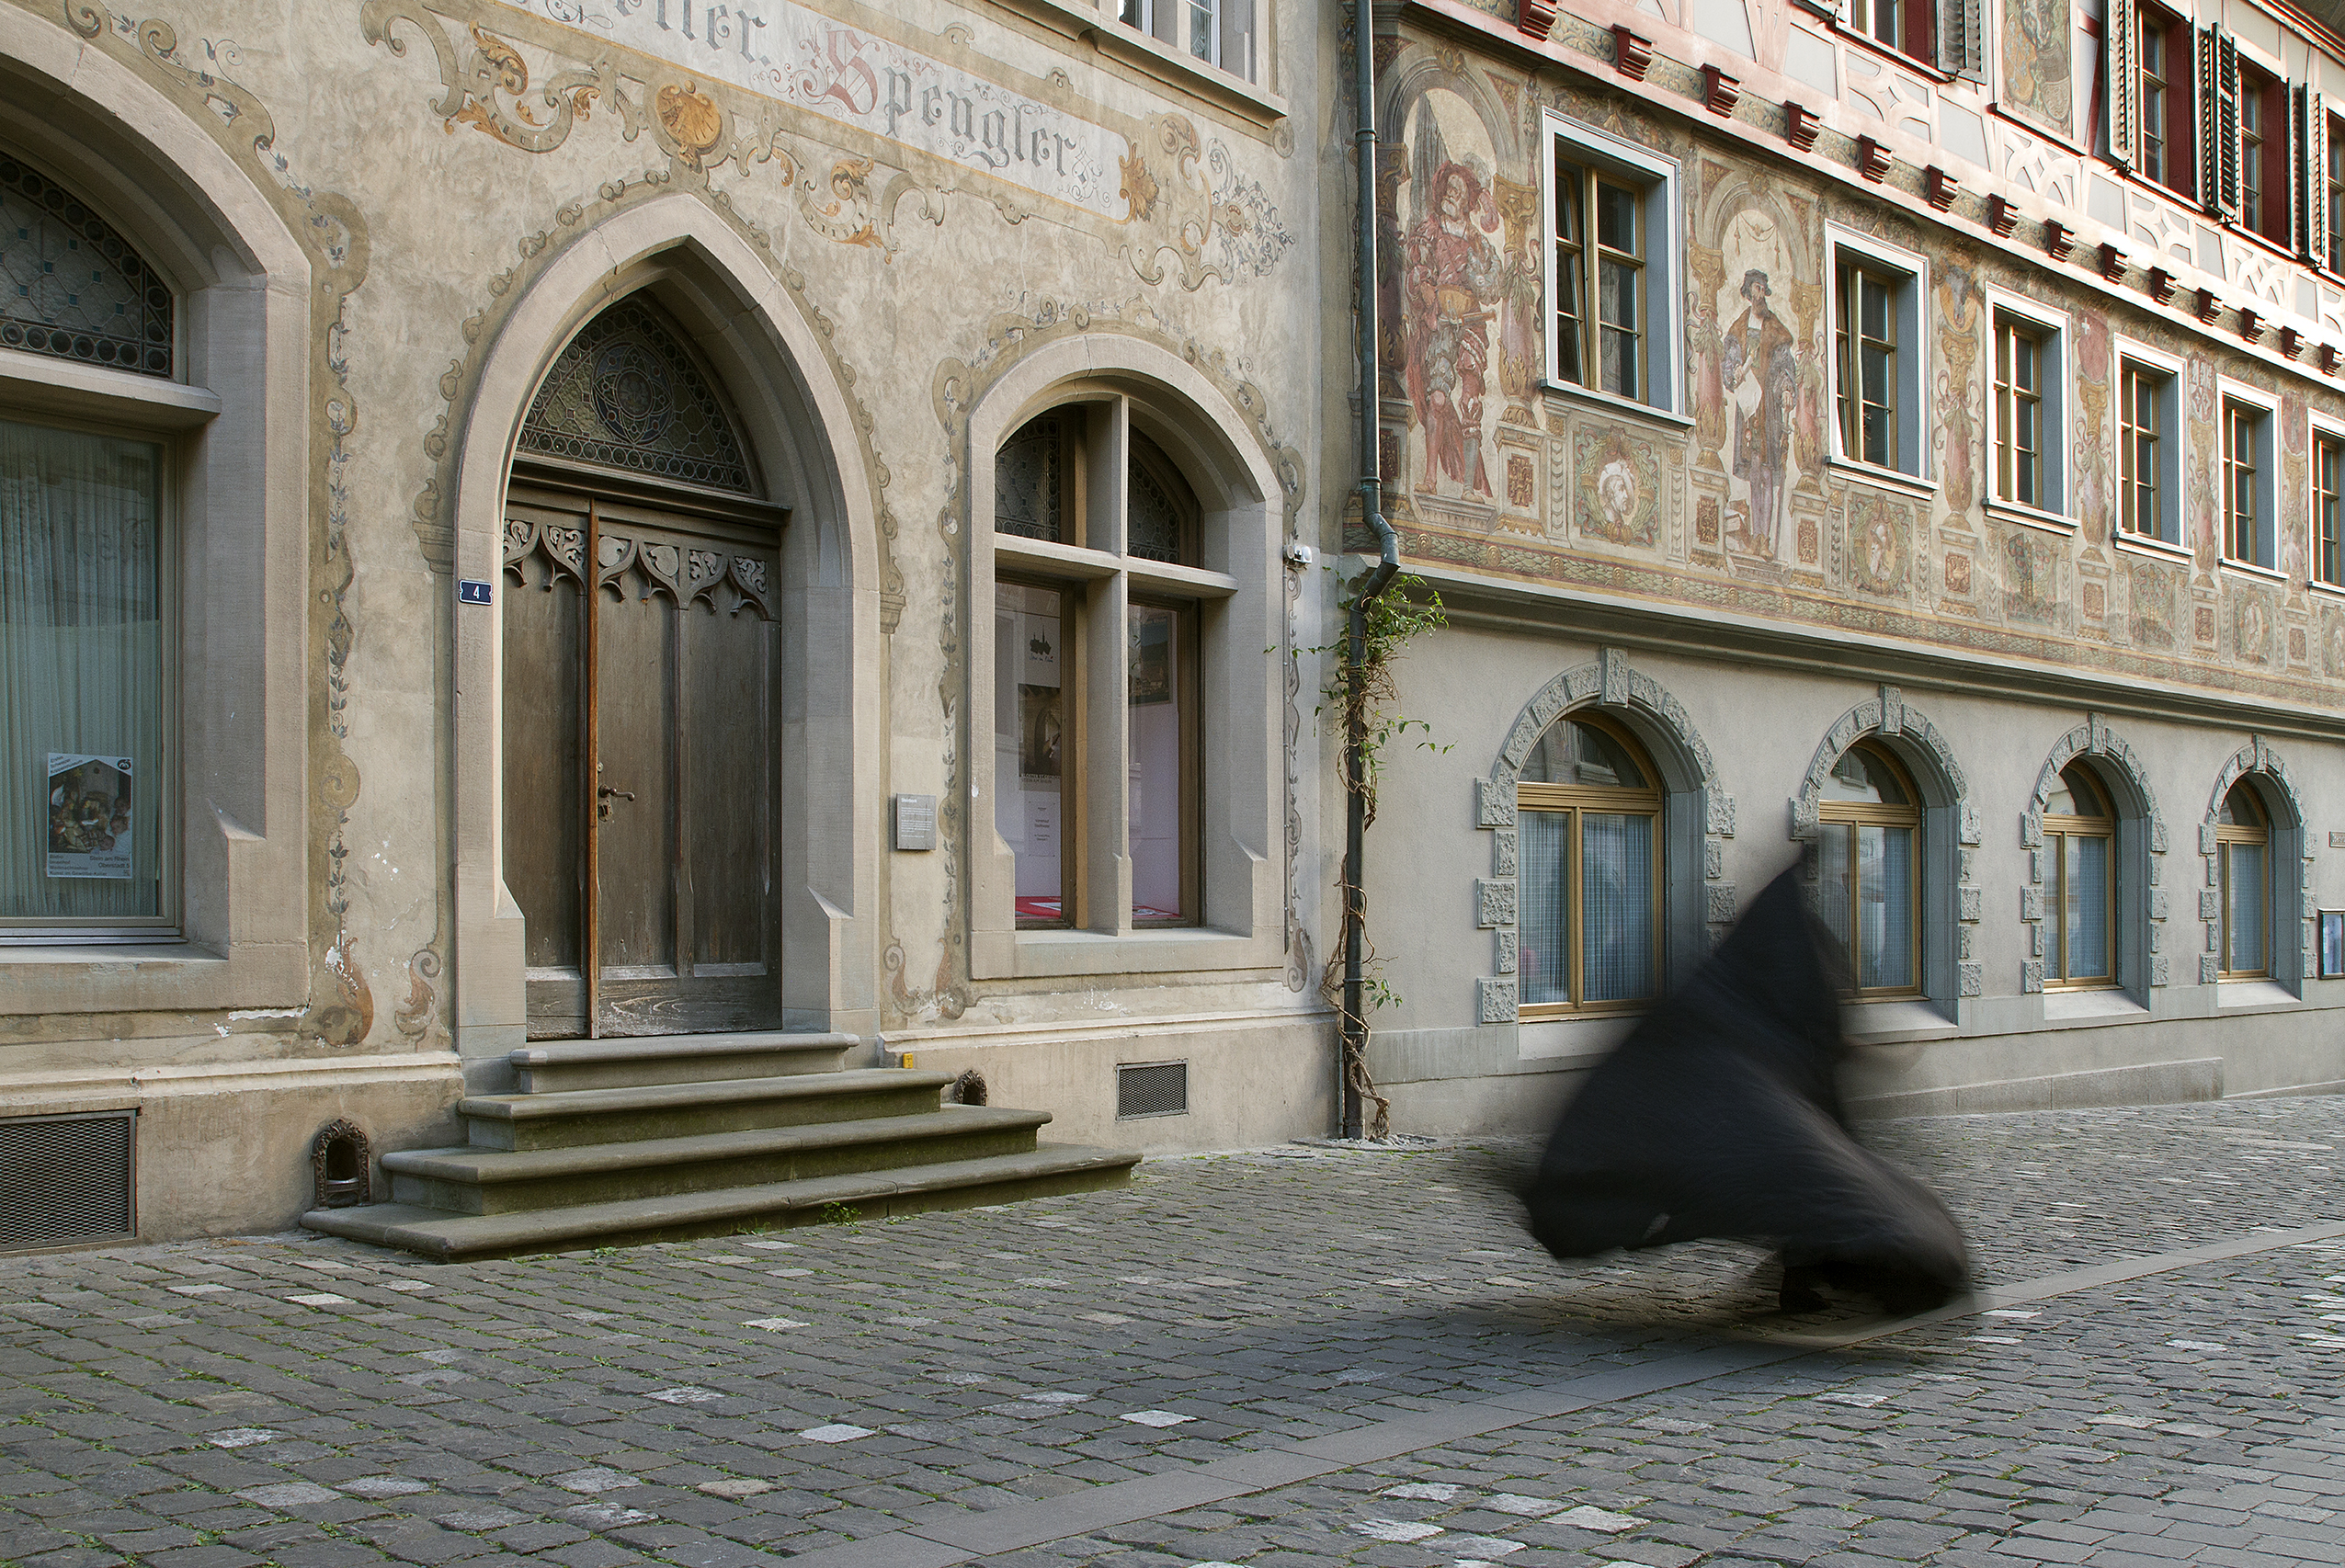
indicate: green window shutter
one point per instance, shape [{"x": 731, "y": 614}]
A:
[
  {"x": 2121, "y": 47},
  {"x": 2312, "y": 174},
  {"x": 2218, "y": 122}
]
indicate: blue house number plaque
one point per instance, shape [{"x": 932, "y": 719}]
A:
[{"x": 469, "y": 592}]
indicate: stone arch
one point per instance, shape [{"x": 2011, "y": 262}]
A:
[
  {"x": 1949, "y": 833},
  {"x": 2291, "y": 847},
  {"x": 1699, "y": 819},
  {"x": 753, "y": 330},
  {"x": 2140, "y": 849}
]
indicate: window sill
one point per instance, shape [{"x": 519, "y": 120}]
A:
[
  {"x": 2251, "y": 569},
  {"x": 1142, "y": 951},
  {"x": 2155, "y": 548},
  {"x": 2090, "y": 1003},
  {"x": 2253, "y": 994},
  {"x": 177, "y": 952},
  {"x": 95, "y": 391},
  {"x": 1860, "y": 472},
  {"x": 2031, "y": 516},
  {"x": 1887, "y": 55},
  {"x": 1568, "y": 393},
  {"x": 1894, "y": 1022},
  {"x": 1151, "y": 58},
  {"x": 2324, "y": 590},
  {"x": 1017, "y": 552},
  {"x": 1191, "y": 582},
  {"x": 1573, "y": 1039}
]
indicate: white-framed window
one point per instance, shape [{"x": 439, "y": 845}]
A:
[
  {"x": 1613, "y": 215},
  {"x": 2027, "y": 372},
  {"x": 2325, "y": 538},
  {"x": 2247, "y": 476},
  {"x": 1219, "y": 32},
  {"x": 2149, "y": 444},
  {"x": 1878, "y": 365}
]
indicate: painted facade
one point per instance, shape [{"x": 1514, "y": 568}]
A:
[{"x": 1705, "y": 566}]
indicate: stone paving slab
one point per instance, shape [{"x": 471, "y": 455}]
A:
[{"x": 1305, "y": 1355}]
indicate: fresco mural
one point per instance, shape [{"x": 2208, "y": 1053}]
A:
[
  {"x": 2036, "y": 73},
  {"x": 1745, "y": 511}
]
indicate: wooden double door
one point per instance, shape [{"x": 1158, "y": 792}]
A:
[{"x": 641, "y": 787}]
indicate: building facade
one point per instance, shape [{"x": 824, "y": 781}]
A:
[
  {"x": 1900, "y": 442},
  {"x": 562, "y": 517}
]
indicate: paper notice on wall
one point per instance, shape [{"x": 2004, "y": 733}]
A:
[{"x": 89, "y": 816}]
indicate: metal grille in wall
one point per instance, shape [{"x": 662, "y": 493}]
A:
[
  {"x": 627, "y": 394},
  {"x": 1151, "y": 1088},
  {"x": 65, "y": 1179},
  {"x": 73, "y": 288}
]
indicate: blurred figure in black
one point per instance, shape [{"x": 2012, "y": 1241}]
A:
[{"x": 1720, "y": 1117}]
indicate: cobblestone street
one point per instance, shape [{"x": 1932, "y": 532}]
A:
[{"x": 1289, "y": 1356}]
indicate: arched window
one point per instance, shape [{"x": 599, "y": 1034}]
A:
[
  {"x": 88, "y": 569},
  {"x": 2079, "y": 838},
  {"x": 1868, "y": 865},
  {"x": 1589, "y": 805},
  {"x": 2243, "y": 874},
  {"x": 1110, "y": 601}
]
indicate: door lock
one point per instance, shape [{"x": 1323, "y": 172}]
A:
[{"x": 603, "y": 793}]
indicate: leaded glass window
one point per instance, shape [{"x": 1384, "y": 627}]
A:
[
  {"x": 628, "y": 394},
  {"x": 1029, "y": 482},
  {"x": 1160, "y": 506},
  {"x": 73, "y": 288}
]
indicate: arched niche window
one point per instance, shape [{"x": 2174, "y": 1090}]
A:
[
  {"x": 2243, "y": 879},
  {"x": 1099, "y": 620},
  {"x": 2079, "y": 840},
  {"x": 1589, "y": 805},
  {"x": 1867, "y": 869},
  {"x": 90, "y": 565}
]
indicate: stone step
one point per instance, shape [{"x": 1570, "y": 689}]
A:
[
  {"x": 1042, "y": 1172},
  {"x": 487, "y": 1181},
  {"x": 573, "y": 1117},
  {"x": 556, "y": 1065}
]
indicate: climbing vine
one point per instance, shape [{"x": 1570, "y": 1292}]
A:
[{"x": 1366, "y": 697}]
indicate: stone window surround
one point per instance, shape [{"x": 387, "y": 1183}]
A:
[
  {"x": 2140, "y": 848},
  {"x": 1698, "y": 816},
  {"x": 240, "y": 428},
  {"x": 1240, "y": 503},
  {"x": 2289, "y": 847},
  {"x": 1951, "y": 900},
  {"x": 755, "y": 333}
]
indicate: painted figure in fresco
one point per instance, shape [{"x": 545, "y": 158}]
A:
[
  {"x": 1958, "y": 314},
  {"x": 1453, "y": 276},
  {"x": 1762, "y": 374}
]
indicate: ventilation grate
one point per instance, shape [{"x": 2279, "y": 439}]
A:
[
  {"x": 65, "y": 1178},
  {"x": 1151, "y": 1088}
]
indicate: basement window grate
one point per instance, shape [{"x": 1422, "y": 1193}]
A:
[
  {"x": 1151, "y": 1088},
  {"x": 65, "y": 1179}
]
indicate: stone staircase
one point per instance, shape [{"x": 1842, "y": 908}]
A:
[{"x": 614, "y": 1141}]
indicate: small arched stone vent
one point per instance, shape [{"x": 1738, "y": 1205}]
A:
[
  {"x": 343, "y": 1166},
  {"x": 1946, "y": 799},
  {"x": 2092, "y": 738},
  {"x": 1668, "y": 731},
  {"x": 2256, "y": 757}
]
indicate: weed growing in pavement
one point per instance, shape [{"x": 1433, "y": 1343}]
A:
[{"x": 840, "y": 1214}]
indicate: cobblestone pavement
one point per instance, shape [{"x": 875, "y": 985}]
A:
[{"x": 1280, "y": 1358}]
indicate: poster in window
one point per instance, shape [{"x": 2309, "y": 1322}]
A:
[
  {"x": 89, "y": 816},
  {"x": 1152, "y": 673},
  {"x": 1041, "y": 732},
  {"x": 2333, "y": 943}
]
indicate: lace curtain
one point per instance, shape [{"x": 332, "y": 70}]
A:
[{"x": 81, "y": 677}]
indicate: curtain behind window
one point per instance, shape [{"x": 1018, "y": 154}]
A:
[
  {"x": 81, "y": 660},
  {"x": 2087, "y": 914},
  {"x": 1543, "y": 956},
  {"x": 1616, "y": 906},
  {"x": 2243, "y": 895}
]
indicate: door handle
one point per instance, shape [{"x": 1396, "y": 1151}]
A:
[{"x": 603, "y": 792}]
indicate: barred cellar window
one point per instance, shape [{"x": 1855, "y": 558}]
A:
[
  {"x": 1590, "y": 803},
  {"x": 2079, "y": 840},
  {"x": 1868, "y": 870},
  {"x": 88, "y": 565}
]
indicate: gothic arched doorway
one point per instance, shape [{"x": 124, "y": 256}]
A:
[{"x": 642, "y": 785}]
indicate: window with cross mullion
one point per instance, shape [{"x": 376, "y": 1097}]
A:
[{"x": 2018, "y": 397}]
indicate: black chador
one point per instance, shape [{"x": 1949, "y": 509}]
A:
[{"x": 1721, "y": 1117}]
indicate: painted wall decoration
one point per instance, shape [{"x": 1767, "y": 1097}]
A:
[
  {"x": 1879, "y": 546},
  {"x": 1961, "y": 305},
  {"x": 1618, "y": 498},
  {"x": 1758, "y": 385},
  {"x": 2094, "y": 440},
  {"x": 2037, "y": 75},
  {"x": 2030, "y": 577}
]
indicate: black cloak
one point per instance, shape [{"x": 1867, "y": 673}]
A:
[{"x": 1721, "y": 1117}]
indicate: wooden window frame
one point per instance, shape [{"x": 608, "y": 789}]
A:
[
  {"x": 1587, "y": 258},
  {"x": 1572, "y": 802},
  {"x": 2244, "y": 475},
  {"x": 2009, "y": 399},
  {"x": 166, "y": 925},
  {"x": 2226, "y": 835},
  {"x": 1847, "y": 816},
  {"x": 1582, "y": 157},
  {"x": 2324, "y": 543},
  {"x": 2060, "y": 827},
  {"x": 2332, "y": 177},
  {"x": 2177, "y": 126},
  {"x": 2142, "y": 475},
  {"x": 1855, "y": 390}
]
